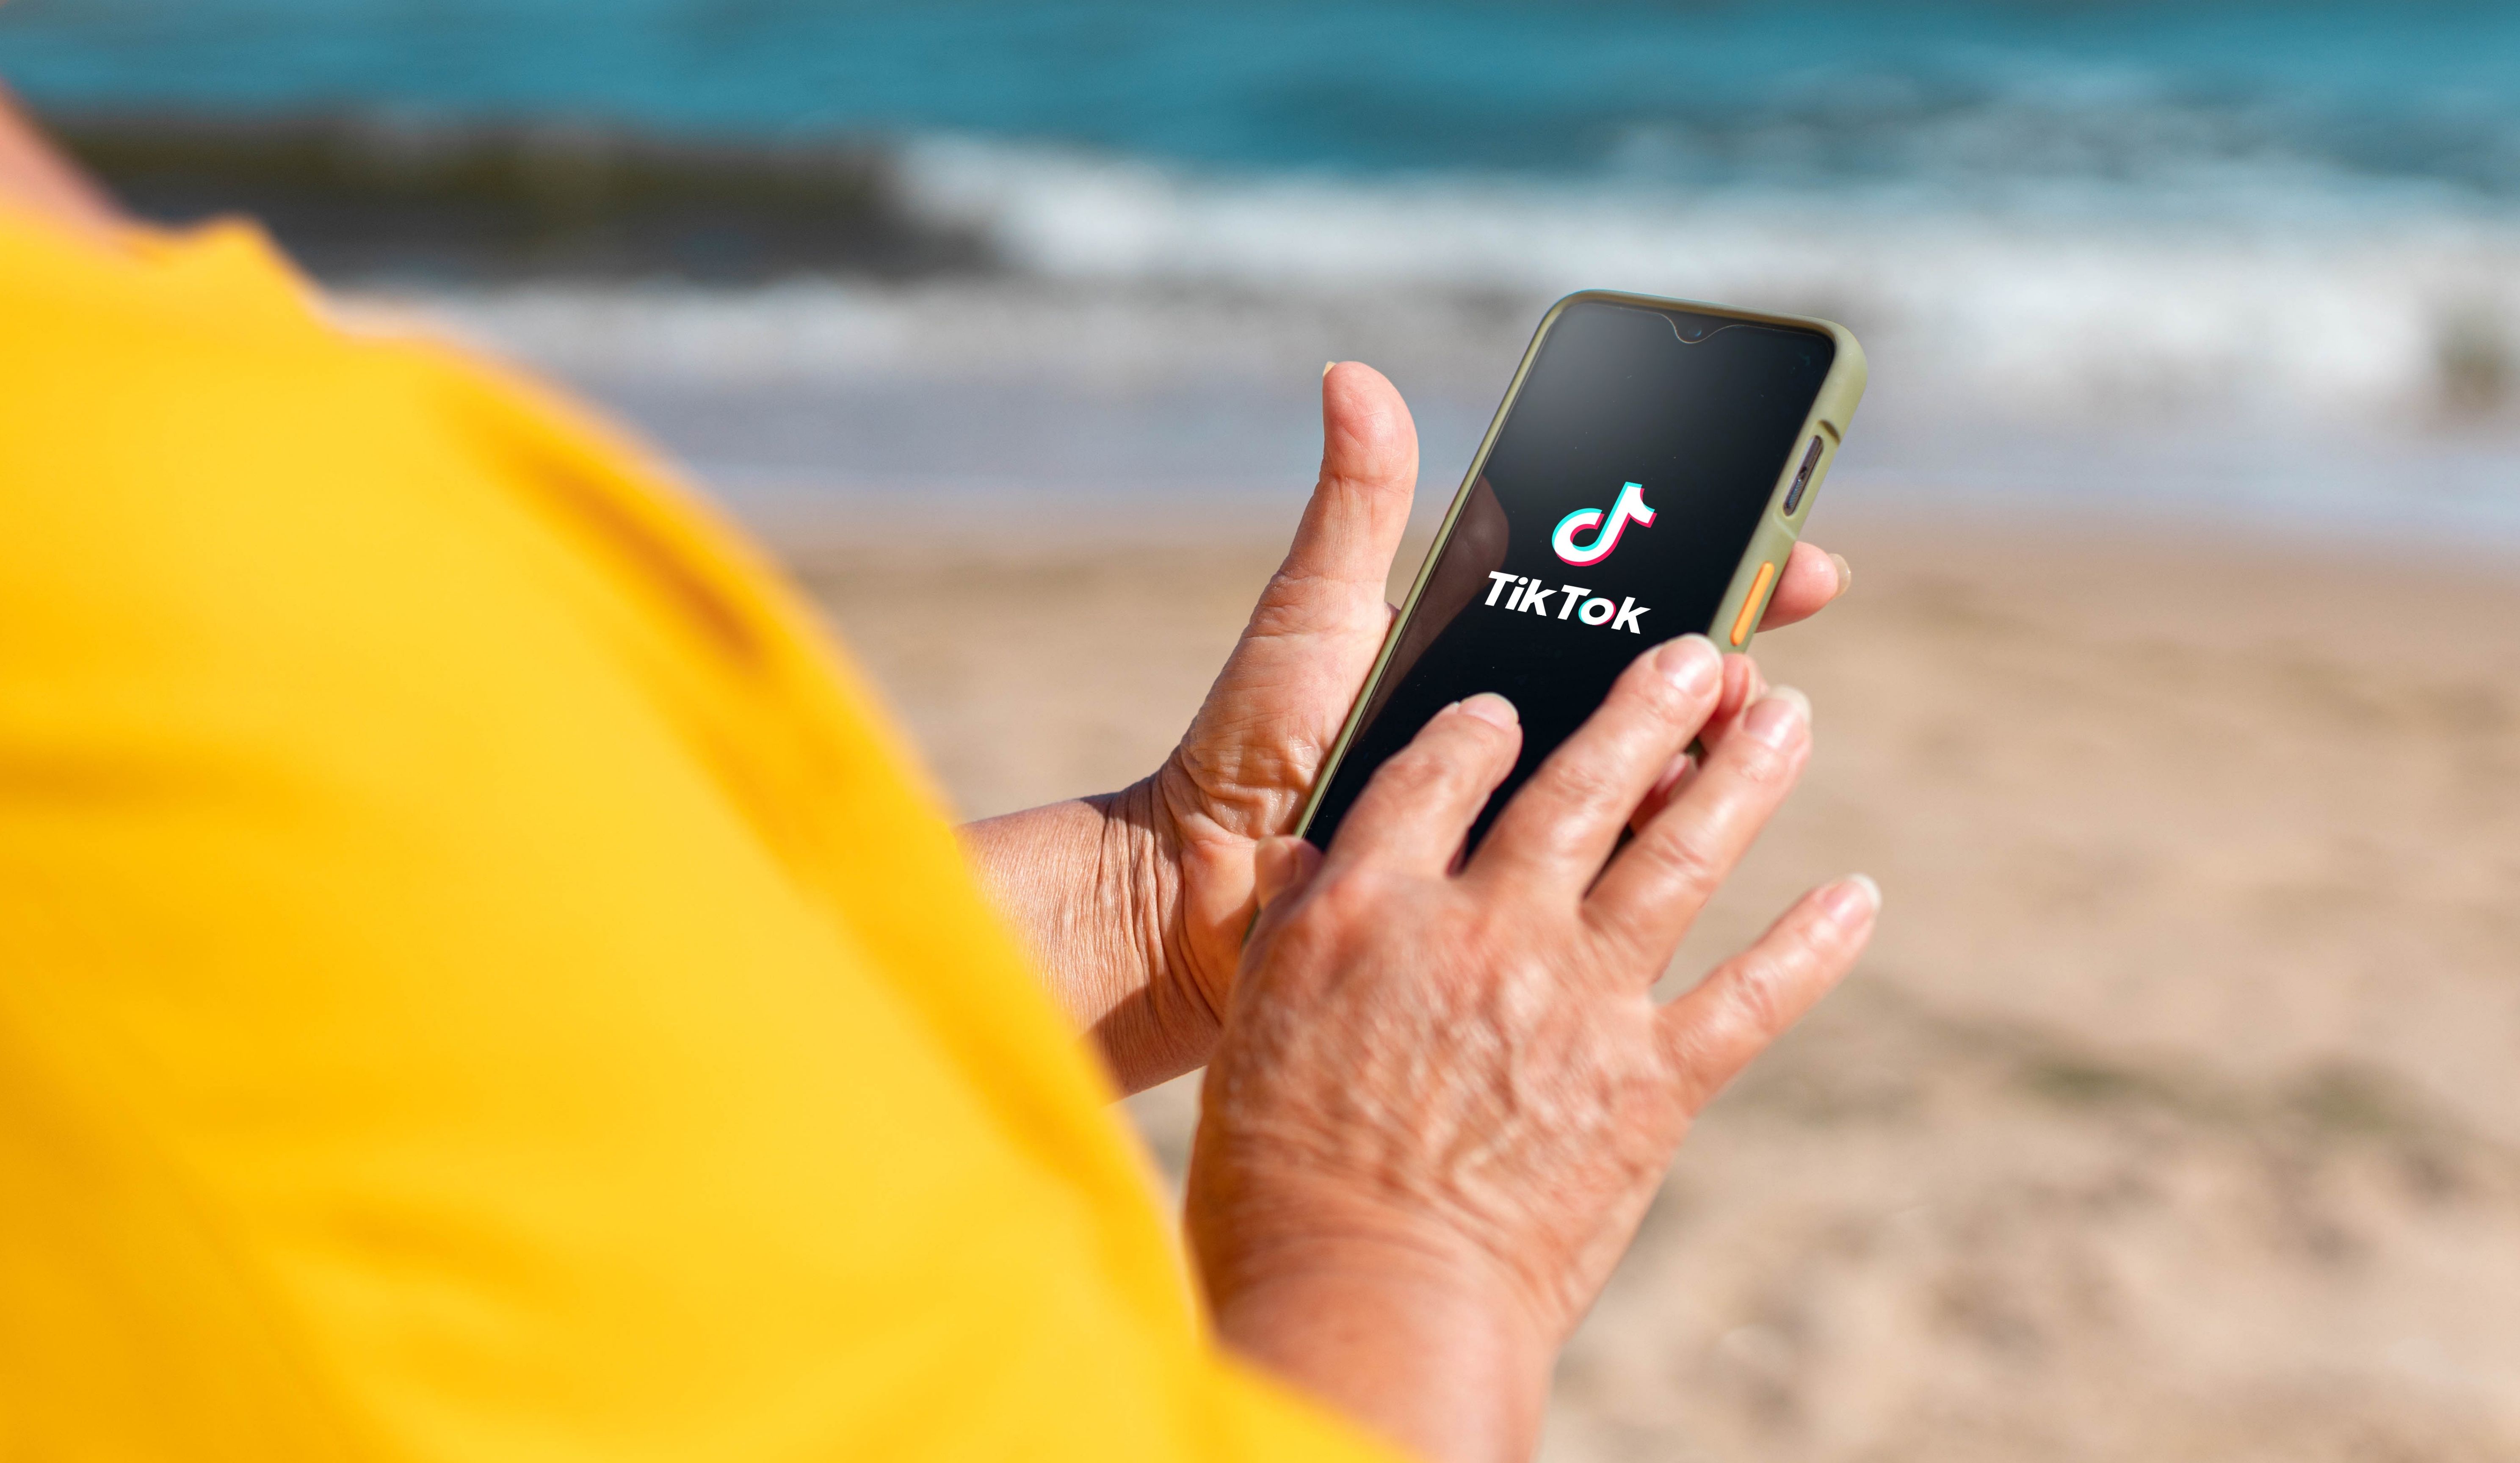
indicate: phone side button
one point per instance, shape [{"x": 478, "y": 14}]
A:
[{"x": 1753, "y": 602}]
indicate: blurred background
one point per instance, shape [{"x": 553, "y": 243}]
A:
[{"x": 2176, "y": 1114}]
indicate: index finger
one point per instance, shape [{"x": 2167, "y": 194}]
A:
[
  {"x": 1418, "y": 806},
  {"x": 1562, "y": 825}
]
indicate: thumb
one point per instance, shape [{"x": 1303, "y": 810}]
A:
[
  {"x": 1280, "y": 867},
  {"x": 1253, "y": 747},
  {"x": 1282, "y": 864},
  {"x": 1359, "y": 506}
]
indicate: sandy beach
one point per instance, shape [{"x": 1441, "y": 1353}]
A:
[{"x": 2175, "y": 1114}]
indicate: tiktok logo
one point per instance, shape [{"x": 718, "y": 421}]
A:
[{"x": 1630, "y": 509}]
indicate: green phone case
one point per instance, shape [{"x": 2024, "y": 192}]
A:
[{"x": 1746, "y": 599}]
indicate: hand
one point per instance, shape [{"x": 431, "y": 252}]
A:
[
  {"x": 1135, "y": 901},
  {"x": 1444, "y": 1092}
]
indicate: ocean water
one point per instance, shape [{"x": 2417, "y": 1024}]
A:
[
  {"x": 1962, "y": 94},
  {"x": 2214, "y": 255}
]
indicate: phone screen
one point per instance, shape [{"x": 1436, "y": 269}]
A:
[{"x": 1622, "y": 491}]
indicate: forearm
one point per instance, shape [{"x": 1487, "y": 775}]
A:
[{"x": 1086, "y": 883}]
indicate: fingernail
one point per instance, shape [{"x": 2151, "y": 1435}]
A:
[
  {"x": 1690, "y": 663},
  {"x": 1845, "y": 573},
  {"x": 1853, "y": 898},
  {"x": 1493, "y": 709},
  {"x": 1326, "y": 372},
  {"x": 1776, "y": 717}
]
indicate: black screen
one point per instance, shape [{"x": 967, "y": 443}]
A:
[{"x": 1699, "y": 414}]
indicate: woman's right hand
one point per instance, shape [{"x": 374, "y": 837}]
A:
[{"x": 1445, "y": 1094}]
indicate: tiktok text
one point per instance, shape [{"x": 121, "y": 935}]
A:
[{"x": 1529, "y": 597}]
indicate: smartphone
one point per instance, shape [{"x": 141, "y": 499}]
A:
[{"x": 1650, "y": 470}]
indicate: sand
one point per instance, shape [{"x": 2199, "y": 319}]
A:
[{"x": 2175, "y": 1112}]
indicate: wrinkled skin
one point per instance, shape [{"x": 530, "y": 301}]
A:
[
  {"x": 1444, "y": 1094},
  {"x": 1135, "y": 901}
]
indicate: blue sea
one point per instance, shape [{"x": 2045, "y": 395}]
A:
[
  {"x": 2219, "y": 253},
  {"x": 1961, "y": 96}
]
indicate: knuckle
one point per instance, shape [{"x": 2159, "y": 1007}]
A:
[
  {"x": 1642, "y": 694},
  {"x": 1355, "y": 910},
  {"x": 1653, "y": 684},
  {"x": 1668, "y": 701},
  {"x": 1447, "y": 751},
  {"x": 1764, "y": 768},
  {"x": 1301, "y": 602},
  {"x": 1627, "y": 932},
  {"x": 1692, "y": 869},
  {"x": 1584, "y": 781},
  {"x": 1351, "y": 894},
  {"x": 1756, "y": 997},
  {"x": 1418, "y": 771}
]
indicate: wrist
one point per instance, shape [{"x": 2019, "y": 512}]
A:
[
  {"x": 1091, "y": 886},
  {"x": 1414, "y": 1335}
]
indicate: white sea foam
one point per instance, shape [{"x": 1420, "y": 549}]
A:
[
  {"x": 2259, "y": 293},
  {"x": 2379, "y": 309},
  {"x": 2312, "y": 353}
]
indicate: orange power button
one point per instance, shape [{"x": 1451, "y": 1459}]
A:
[{"x": 1756, "y": 602}]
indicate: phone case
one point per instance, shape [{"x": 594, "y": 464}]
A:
[{"x": 1747, "y": 598}]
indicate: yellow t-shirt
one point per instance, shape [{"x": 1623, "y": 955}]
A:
[{"x": 476, "y": 983}]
